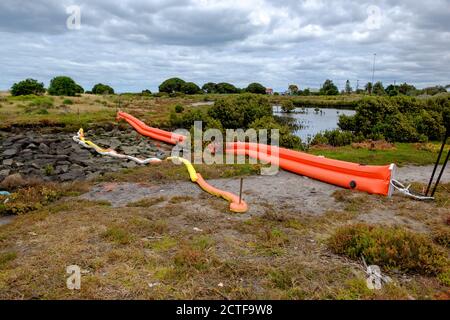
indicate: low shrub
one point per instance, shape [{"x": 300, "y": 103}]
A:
[
  {"x": 179, "y": 108},
  {"x": 390, "y": 247},
  {"x": 336, "y": 138},
  {"x": 28, "y": 199}
]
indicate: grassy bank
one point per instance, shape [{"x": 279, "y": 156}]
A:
[{"x": 401, "y": 154}]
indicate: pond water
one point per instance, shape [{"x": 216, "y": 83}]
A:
[{"x": 313, "y": 122}]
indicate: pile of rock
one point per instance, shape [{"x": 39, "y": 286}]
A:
[{"x": 56, "y": 157}]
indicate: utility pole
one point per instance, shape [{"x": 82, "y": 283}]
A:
[
  {"x": 373, "y": 68},
  {"x": 357, "y": 85}
]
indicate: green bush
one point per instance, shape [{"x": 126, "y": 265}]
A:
[
  {"x": 171, "y": 85},
  {"x": 286, "y": 138},
  {"x": 237, "y": 112},
  {"x": 27, "y": 87},
  {"x": 399, "y": 118},
  {"x": 179, "y": 108},
  {"x": 67, "y": 101},
  {"x": 256, "y": 88},
  {"x": 64, "y": 86},
  {"x": 336, "y": 138},
  {"x": 190, "y": 88},
  {"x": 389, "y": 247},
  {"x": 101, "y": 88},
  {"x": 287, "y": 106}
]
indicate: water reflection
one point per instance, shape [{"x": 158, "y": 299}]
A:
[{"x": 311, "y": 121}]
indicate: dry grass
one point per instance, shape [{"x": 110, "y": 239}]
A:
[{"x": 183, "y": 247}]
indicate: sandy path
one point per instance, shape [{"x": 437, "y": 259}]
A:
[
  {"x": 421, "y": 174},
  {"x": 282, "y": 192}
]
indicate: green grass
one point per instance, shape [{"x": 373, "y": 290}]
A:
[
  {"x": 405, "y": 153},
  {"x": 70, "y": 121}
]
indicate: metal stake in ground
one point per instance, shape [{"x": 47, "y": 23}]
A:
[
  {"x": 440, "y": 174},
  {"x": 240, "y": 190},
  {"x": 437, "y": 162}
]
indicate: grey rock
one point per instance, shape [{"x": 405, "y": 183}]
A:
[
  {"x": 31, "y": 146},
  {"x": 8, "y": 162},
  {"x": 44, "y": 148},
  {"x": 72, "y": 175},
  {"x": 62, "y": 169},
  {"x": 129, "y": 164},
  {"x": 10, "y": 152},
  {"x": 4, "y": 173},
  {"x": 93, "y": 175},
  {"x": 35, "y": 165}
]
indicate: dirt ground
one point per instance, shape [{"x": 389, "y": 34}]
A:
[{"x": 284, "y": 191}]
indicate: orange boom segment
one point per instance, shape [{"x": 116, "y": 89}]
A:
[
  {"x": 236, "y": 204},
  {"x": 154, "y": 133},
  {"x": 371, "y": 179}
]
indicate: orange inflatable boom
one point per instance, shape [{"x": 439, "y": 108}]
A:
[
  {"x": 154, "y": 133},
  {"x": 371, "y": 179}
]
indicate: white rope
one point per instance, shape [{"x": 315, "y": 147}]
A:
[
  {"x": 405, "y": 190},
  {"x": 113, "y": 153}
]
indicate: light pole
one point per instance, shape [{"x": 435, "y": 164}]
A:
[{"x": 373, "y": 68}]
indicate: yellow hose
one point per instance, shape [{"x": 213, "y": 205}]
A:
[
  {"x": 190, "y": 168},
  {"x": 236, "y": 204}
]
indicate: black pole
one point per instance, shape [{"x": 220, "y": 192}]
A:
[
  {"x": 437, "y": 162},
  {"x": 240, "y": 190},
  {"x": 441, "y": 173}
]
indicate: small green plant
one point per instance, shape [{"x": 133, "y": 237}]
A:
[
  {"x": 49, "y": 170},
  {"x": 117, "y": 235},
  {"x": 6, "y": 257},
  {"x": 442, "y": 237},
  {"x": 67, "y": 102},
  {"x": 179, "y": 108},
  {"x": 42, "y": 111},
  {"x": 392, "y": 248},
  {"x": 28, "y": 199}
]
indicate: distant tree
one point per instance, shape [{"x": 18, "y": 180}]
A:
[
  {"x": 306, "y": 92},
  {"x": 64, "y": 86},
  {"x": 348, "y": 87},
  {"x": 256, "y": 88},
  {"x": 329, "y": 88},
  {"x": 171, "y": 85},
  {"x": 392, "y": 90},
  {"x": 434, "y": 90},
  {"x": 190, "y": 88},
  {"x": 287, "y": 106},
  {"x": 378, "y": 89},
  {"x": 79, "y": 89},
  {"x": 407, "y": 89},
  {"x": 225, "y": 87},
  {"x": 146, "y": 92},
  {"x": 369, "y": 87},
  {"x": 209, "y": 87},
  {"x": 101, "y": 88},
  {"x": 28, "y": 86},
  {"x": 293, "y": 89}
]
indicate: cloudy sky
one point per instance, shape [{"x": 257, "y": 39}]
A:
[{"x": 135, "y": 44}]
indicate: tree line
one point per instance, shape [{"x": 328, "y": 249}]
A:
[
  {"x": 59, "y": 86},
  {"x": 330, "y": 89},
  {"x": 66, "y": 86}
]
